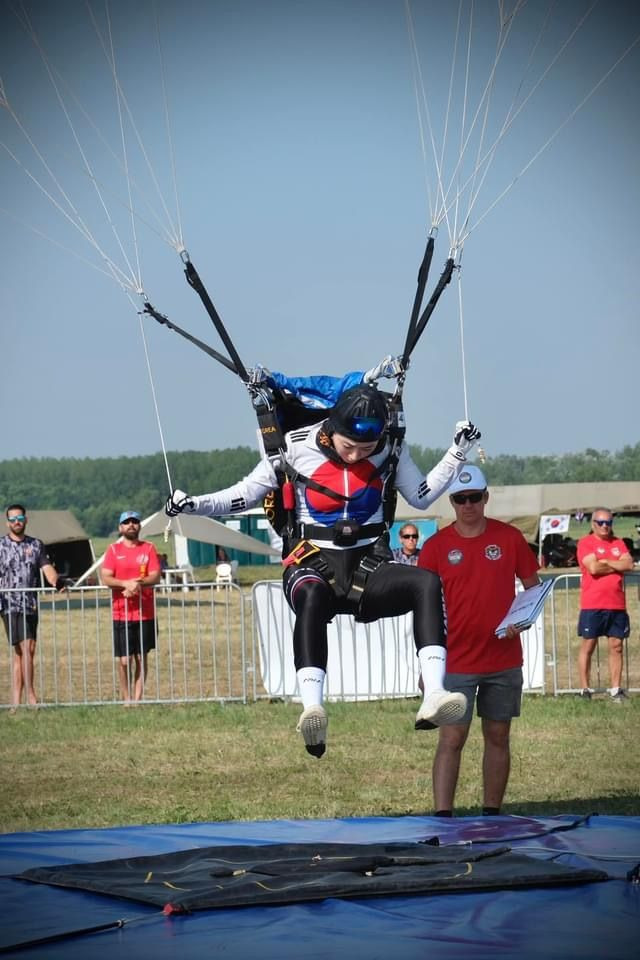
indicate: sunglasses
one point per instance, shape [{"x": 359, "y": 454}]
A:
[
  {"x": 19, "y": 518},
  {"x": 461, "y": 498},
  {"x": 604, "y": 523},
  {"x": 130, "y": 520},
  {"x": 409, "y": 536}
]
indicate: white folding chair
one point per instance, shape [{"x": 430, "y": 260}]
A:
[{"x": 224, "y": 575}]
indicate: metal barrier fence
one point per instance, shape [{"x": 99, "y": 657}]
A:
[
  {"x": 200, "y": 653},
  {"x": 208, "y": 647},
  {"x": 562, "y": 643}
]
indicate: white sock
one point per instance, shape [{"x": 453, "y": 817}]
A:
[
  {"x": 311, "y": 686},
  {"x": 433, "y": 662}
]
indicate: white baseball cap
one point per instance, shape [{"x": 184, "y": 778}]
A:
[{"x": 469, "y": 478}]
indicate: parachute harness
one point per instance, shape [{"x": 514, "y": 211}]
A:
[{"x": 268, "y": 403}]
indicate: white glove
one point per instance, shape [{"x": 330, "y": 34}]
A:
[
  {"x": 177, "y": 502},
  {"x": 258, "y": 375},
  {"x": 389, "y": 367},
  {"x": 465, "y": 436}
]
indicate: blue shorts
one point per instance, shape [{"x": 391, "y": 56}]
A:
[
  {"x": 603, "y": 623},
  {"x": 499, "y": 694}
]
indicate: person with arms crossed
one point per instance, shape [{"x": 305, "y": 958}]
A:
[
  {"x": 477, "y": 559},
  {"x": 339, "y": 473},
  {"x": 603, "y": 560},
  {"x": 131, "y": 567},
  {"x": 21, "y": 560},
  {"x": 407, "y": 552}
]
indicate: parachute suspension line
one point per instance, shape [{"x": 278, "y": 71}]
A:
[
  {"x": 29, "y": 27},
  {"x": 422, "y": 103},
  {"x": 475, "y": 191},
  {"x": 482, "y": 105},
  {"x": 417, "y": 83},
  {"x": 465, "y": 100},
  {"x": 553, "y": 136},
  {"x": 482, "y": 456},
  {"x": 486, "y": 160},
  {"x": 56, "y": 243},
  {"x": 155, "y": 400},
  {"x": 125, "y": 159},
  {"x": 165, "y": 100},
  {"x": 172, "y": 237},
  {"x": 113, "y": 269}
]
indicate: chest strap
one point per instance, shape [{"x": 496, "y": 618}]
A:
[{"x": 313, "y": 531}]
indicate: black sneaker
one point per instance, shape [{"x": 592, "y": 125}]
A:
[
  {"x": 618, "y": 696},
  {"x": 586, "y": 694}
]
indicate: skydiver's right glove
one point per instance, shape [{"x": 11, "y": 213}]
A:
[
  {"x": 177, "y": 502},
  {"x": 389, "y": 367},
  {"x": 464, "y": 438}
]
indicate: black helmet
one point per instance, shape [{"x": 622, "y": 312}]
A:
[{"x": 360, "y": 414}]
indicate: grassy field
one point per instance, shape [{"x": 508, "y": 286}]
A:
[
  {"x": 105, "y": 766},
  {"x": 100, "y": 766}
]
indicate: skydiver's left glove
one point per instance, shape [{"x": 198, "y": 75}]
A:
[
  {"x": 63, "y": 583},
  {"x": 465, "y": 436},
  {"x": 258, "y": 375},
  {"x": 389, "y": 367},
  {"x": 177, "y": 502}
]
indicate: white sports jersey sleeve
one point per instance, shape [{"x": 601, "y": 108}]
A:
[
  {"x": 243, "y": 495},
  {"x": 421, "y": 491}
]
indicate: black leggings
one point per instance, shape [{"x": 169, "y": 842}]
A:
[{"x": 391, "y": 590}]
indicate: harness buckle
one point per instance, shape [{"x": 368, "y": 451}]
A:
[{"x": 300, "y": 552}]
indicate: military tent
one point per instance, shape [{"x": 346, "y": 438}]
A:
[
  {"x": 523, "y": 505},
  {"x": 67, "y": 544}
]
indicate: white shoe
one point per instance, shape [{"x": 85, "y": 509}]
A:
[
  {"x": 312, "y": 725},
  {"x": 440, "y": 708}
]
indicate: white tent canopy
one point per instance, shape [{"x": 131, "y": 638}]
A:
[{"x": 204, "y": 529}]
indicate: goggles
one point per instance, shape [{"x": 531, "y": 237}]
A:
[{"x": 365, "y": 429}]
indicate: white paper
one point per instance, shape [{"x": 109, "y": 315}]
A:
[{"x": 526, "y": 607}]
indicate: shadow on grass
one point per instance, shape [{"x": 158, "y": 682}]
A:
[{"x": 624, "y": 804}]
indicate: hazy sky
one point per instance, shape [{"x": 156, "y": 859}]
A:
[{"x": 303, "y": 199}]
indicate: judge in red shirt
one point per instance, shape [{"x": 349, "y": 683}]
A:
[
  {"x": 603, "y": 560},
  {"x": 478, "y": 560}
]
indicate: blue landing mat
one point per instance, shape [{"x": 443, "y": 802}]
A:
[{"x": 599, "y": 920}]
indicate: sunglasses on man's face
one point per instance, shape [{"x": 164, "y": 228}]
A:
[
  {"x": 604, "y": 523},
  {"x": 130, "y": 520},
  {"x": 461, "y": 498},
  {"x": 409, "y": 536},
  {"x": 20, "y": 518}
]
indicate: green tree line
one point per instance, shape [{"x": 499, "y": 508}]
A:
[{"x": 97, "y": 490}]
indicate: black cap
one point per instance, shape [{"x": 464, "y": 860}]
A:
[{"x": 360, "y": 415}]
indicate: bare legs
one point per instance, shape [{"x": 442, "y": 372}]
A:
[
  {"x": 22, "y": 673},
  {"x": 496, "y": 763},
  {"x": 587, "y": 648},
  {"x": 132, "y": 674}
]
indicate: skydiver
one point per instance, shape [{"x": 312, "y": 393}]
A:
[{"x": 337, "y": 557}]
